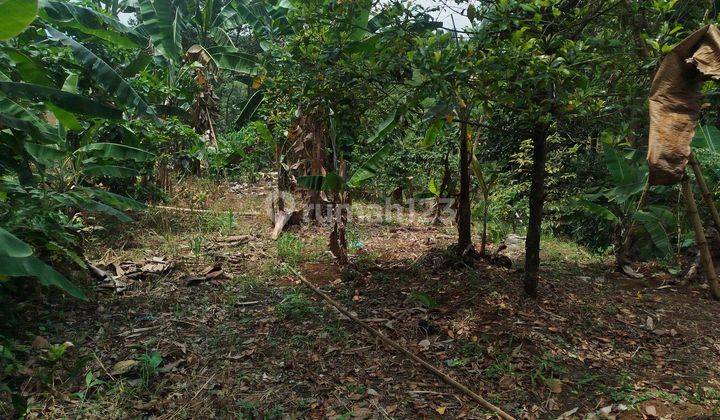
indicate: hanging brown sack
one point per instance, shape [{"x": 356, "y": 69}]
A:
[{"x": 676, "y": 101}]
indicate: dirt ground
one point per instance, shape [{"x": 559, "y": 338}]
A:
[{"x": 204, "y": 320}]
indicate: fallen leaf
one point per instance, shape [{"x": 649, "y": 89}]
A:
[
  {"x": 441, "y": 410},
  {"x": 651, "y": 411},
  {"x": 121, "y": 368},
  {"x": 554, "y": 385},
  {"x": 40, "y": 343}
]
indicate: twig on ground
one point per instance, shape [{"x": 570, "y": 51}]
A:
[
  {"x": 447, "y": 379},
  {"x": 103, "y": 366}
]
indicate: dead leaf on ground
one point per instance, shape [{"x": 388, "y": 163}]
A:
[{"x": 123, "y": 367}]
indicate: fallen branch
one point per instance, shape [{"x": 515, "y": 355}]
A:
[
  {"x": 435, "y": 371},
  {"x": 204, "y": 211}
]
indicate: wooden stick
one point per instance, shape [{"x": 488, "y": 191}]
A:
[
  {"x": 702, "y": 244},
  {"x": 186, "y": 210},
  {"x": 707, "y": 196},
  {"x": 450, "y": 381}
]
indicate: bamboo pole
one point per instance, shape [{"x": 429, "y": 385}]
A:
[
  {"x": 702, "y": 244},
  {"x": 707, "y": 196},
  {"x": 450, "y": 381}
]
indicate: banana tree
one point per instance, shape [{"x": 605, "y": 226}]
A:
[
  {"x": 198, "y": 36},
  {"x": 50, "y": 157}
]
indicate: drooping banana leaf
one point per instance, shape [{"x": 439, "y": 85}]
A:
[
  {"x": 229, "y": 58},
  {"x": 45, "y": 154},
  {"x": 104, "y": 75},
  {"x": 34, "y": 267},
  {"x": 16, "y": 15},
  {"x": 251, "y": 106},
  {"x": 28, "y": 68},
  {"x": 68, "y": 101},
  {"x": 707, "y": 137},
  {"x": 11, "y": 246},
  {"x": 112, "y": 171},
  {"x": 370, "y": 168},
  {"x": 90, "y": 22},
  {"x": 162, "y": 23},
  {"x": 15, "y": 116},
  {"x": 114, "y": 200},
  {"x": 116, "y": 151},
  {"x": 654, "y": 224}
]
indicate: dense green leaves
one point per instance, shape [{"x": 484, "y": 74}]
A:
[
  {"x": 104, "y": 75},
  {"x": 65, "y": 100},
  {"x": 707, "y": 137},
  {"x": 90, "y": 22},
  {"x": 161, "y": 23}
]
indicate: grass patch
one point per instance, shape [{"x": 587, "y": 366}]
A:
[
  {"x": 295, "y": 305},
  {"x": 289, "y": 249}
]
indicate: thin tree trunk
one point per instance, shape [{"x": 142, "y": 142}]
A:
[
  {"x": 483, "y": 244},
  {"x": 537, "y": 201},
  {"x": 700, "y": 239},
  {"x": 707, "y": 196},
  {"x": 464, "y": 221}
]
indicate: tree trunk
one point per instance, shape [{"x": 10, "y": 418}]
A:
[
  {"x": 483, "y": 244},
  {"x": 464, "y": 221},
  {"x": 338, "y": 237},
  {"x": 537, "y": 201}
]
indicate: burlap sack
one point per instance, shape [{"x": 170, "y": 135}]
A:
[{"x": 675, "y": 102}]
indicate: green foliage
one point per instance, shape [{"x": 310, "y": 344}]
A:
[
  {"x": 17, "y": 15},
  {"x": 289, "y": 249},
  {"x": 295, "y": 306},
  {"x": 243, "y": 153}
]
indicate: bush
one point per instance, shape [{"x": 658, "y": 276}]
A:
[{"x": 242, "y": 154}]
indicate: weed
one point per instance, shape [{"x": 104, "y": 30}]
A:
[
  {"x": 295, "y": 305},
  {"x": 587, "y": 378},
  {"x": 247, "y": 283},
  {"x": 276, "y": 412},
  {"x": 356, "y": 388},
  {"x": 299, "y": 340},
  {"x": 644, "y": 357},
  {"x": 425, "y": 300},
  {"x": 611, "y": 309},
  {"x": 149, "y": 364},
  {"x": 546, "y": 368},
  {"x": 196, "y": 245},
  {"x": 335, "y": 333},
  {"x": 224, "y": 223},
  {"x": 500, "y": 368},
  {"x": 472, "y": 349},
  {"x": 289, "y": 249},
  {"x": 247, "y": 410},
  {"x": 90, "y": 383},
  {"x": 624, "y": 390}
]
